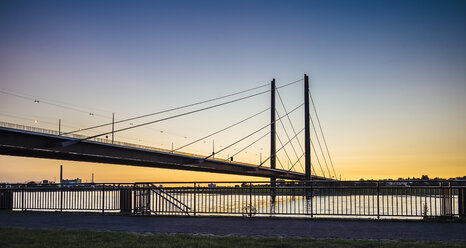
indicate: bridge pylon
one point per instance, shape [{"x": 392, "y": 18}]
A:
[
  {"x": 272, "y": 140},
  {"x": 307, "y": 135}
]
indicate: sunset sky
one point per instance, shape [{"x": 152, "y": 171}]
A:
[{"x": 388, "y": 79}]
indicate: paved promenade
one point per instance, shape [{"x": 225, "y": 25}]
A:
[{"x": 322, "y": 229}]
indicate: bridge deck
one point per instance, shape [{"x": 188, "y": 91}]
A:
[{"x": 18, "y": 140}]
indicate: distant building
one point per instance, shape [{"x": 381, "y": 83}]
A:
[
  {"x": 71, "y": 181},
  {"x": 45, "y": 181},
  {"x": 212, "y": 185},
  {"x": 398, "y": 184}
]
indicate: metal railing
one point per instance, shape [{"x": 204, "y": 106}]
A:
[
  {"x": 73, "y": 198},
  {"x": 373, "y": 199}
]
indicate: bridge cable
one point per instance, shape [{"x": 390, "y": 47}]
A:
[
  {"x": 294, "y": 131},
  {"x": 249, "y": 135},
  {"x": 318, "y": 160},
  {"x": 299, "y": 158},
  {"x": 181, "y": 107},
  {"x": 286, "y": 153},
  {"x": 164, "y": 119},
  {"x": 292, "y": 166},
  {"x": 48, "y": 102},
  {"x": 289, "y": 120},
  {"x": 292, "y": 146},
  {"x": 74, "y": 108},
  {"x": 257, "y": 140},
  {"x": 84, "y": 109},
  {"x": 280, "y": 163},
  {"x": 288, "y": 84},
  {"x": 61, "y": 105},
  {"x": 323, "y": 137},
  {"x": 221, "y": 130},
  {"x": 170, "y": 110},
  {"x": 292, "y": 127},
  {"x": 320, "y": 146},
  {"x": 260, "y": 165},
  {"x": 312, "y": 165}
]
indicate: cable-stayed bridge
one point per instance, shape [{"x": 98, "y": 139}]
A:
[{"x": 26, "y": 141}]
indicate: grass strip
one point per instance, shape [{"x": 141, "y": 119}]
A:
[{"x": 17, "y": 237}]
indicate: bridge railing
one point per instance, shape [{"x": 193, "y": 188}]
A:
[
  {"x": 368, "y": 199},
  {"x": 109, "y": 141}
]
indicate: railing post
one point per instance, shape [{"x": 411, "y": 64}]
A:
[
  {"x": 103, "y": 198},
  {"x": 378, "y": 195},
  {"x": 310, "y": 199},
  {"x": 250, "y": 199},
  {"x": 446, "y": 199},
  {"x": 461, "y": 201},
  {"x": 442, "y": 208},
  {"x": 125, "y": 200},
  {"x": 22, "y": 197},
  {"x": 134, "y": 199},
  {"x": 61, "y": 198},
  {"x": 451, "y": 198},
  {"x": 195, "y": 200}
]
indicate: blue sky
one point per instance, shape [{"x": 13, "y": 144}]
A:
[{"x": 387, "y": 76}]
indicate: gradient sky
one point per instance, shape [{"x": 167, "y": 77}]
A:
[{"x": 388, "y": 78}]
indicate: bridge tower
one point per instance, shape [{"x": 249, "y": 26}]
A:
[
  {"x": 272, "y": 140},
  {"x": 307, "y": 134}
]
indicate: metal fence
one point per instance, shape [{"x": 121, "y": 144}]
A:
[
  {"x": 373, "y": 199},
  {"x": 56, "y": 197}
]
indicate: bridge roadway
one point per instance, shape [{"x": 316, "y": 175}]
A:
[{"x": 43, "y": 143}]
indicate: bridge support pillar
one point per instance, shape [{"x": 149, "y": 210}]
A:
[{"x": 272, "y": 142}]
